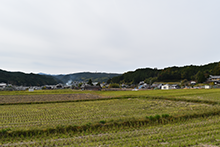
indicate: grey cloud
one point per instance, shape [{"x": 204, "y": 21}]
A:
[{"x": 113, "y": 36}]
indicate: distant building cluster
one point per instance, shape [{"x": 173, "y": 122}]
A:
[
  {"x": 10, "y": 87},
  {"x": 73, "y": 85},
  {"x": 212, "y": 82}
]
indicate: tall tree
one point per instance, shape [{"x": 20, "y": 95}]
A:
[
  {"x": 216, "y": 70},
  {"x": 200, "y": 77},
  {"x": 90, "y": 82}
]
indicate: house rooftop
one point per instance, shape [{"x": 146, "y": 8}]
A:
[
  {"x": 214, "y": 76},
  {"x": 3, "y": 84}
]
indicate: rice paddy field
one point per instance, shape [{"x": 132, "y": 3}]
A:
[{"x": 110, "y": 118}]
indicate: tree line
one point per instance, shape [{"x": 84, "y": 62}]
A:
[
  {"x": 170, "y": 74},
  {"x": 19, "y": 78}
]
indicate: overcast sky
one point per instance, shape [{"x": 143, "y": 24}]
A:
[{"x": 115, "y": 36}]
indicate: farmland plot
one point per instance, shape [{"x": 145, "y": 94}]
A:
[
  {"x": 164, "y": 93},
  {"x": 121, "y": 120},
  {"x": 32, "y": 116},
  {"x": 195, "y": 132},
  {"x": 18, "y": 99},
  {"x": 215, "y": 97}
]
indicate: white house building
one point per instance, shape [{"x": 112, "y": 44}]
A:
[
  {"x": 193, "y": 82},
  {"x": 167, "y": 86},
  {"x": 31, "y": 89},
  {"x": 207, "y": 87},
  {"x": 3, "y": 85}
]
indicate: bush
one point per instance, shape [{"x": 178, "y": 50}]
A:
[
  {"x": 157, "y": 116},
  {"x": 3, "y": 131},
  {"x": 102, "y": 122},
  {"x": 165, "y": 115},
  {"x": 114, "y": 85},
  {"x": 151, "y": 117}
]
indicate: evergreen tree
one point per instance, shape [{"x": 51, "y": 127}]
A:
[
  {"x": 90, "y": 82},
  {"x": 98, "y": 84},
  {"x": 200, "y": 77},
  {"x": 216, "y": 70}
]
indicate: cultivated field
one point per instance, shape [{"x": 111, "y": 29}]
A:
[
  {"x": 110, "y": 118},
  {"x": 80, "y": 113},
  {"x": 46, "y": 98}
]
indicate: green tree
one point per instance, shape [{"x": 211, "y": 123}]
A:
[
  {"x": 90, "y": 82},
  {"x": 79, "y": 85},
  {"x": 200, "y": 77},
  {"x": 98, "y": 84},
  {"x": 150, "y": 80},
  {"x": 114, "y": 85},
  {"x": 184, "y": 82},
  {"x": 216, "y": 70}
]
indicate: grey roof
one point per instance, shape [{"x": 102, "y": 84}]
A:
[{"x": 214, "y": 76}]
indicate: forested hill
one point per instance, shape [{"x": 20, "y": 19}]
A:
[
  {"x": 19, "y": 78},
  {"x": 85, "y": 76},
  {"x": 149, "y": 75}
]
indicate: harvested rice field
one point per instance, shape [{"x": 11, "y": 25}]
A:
[{"x": 101, "y": 119}]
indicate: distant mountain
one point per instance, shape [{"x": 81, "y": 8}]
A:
[
  {"x": 85, "y": 76},
  {"x": 169, "y": 74},
  {"x": 19, "y": 78},
  {"x": 49, "y": 74},
  {"x": 44, "y": 74}
]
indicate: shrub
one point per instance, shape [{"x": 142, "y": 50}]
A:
[
  {"x": 88, "y": 124},
  {"x": 102, "y": 122},
  {"x": 157, "y": 116},
  {"x": 5, "y": 130},
  {"x": 114, "y": 85},
  {"x": 165, "y": 115},
  {"x": 151, "y": 117}
]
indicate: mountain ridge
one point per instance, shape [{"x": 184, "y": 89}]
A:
[
  {"x": 85, "y": 76},
  {"x": 30, "y": 79},
  {"x": 20, "y": 78},
  {"x": 174, "y": 73},
  {"x": 168, "y": 74}
]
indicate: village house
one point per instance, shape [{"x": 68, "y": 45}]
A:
[
  {"x": 192, "y": 82},
  {"x": 144, "y": 86},
  {"x": 207, "y": 87},
  {"x": 59, "y": 86},
  {"x": 175, "y": 86},
  {"x": 88, "y": 87},
  {"x": 215, "y": 79},
  {"x": 31, "y": 89},
  {"x": 124, "y": 86},
  {"x": 167, "y": 86},
  {"x": 3, "y": 85},
  {"x": 160, "y": 86}
]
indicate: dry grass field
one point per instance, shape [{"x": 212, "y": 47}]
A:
[
  {"x": 18, "y": 99},
  {"x": 41, "y": 116},
  {"x": 110, "y": 118}
]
